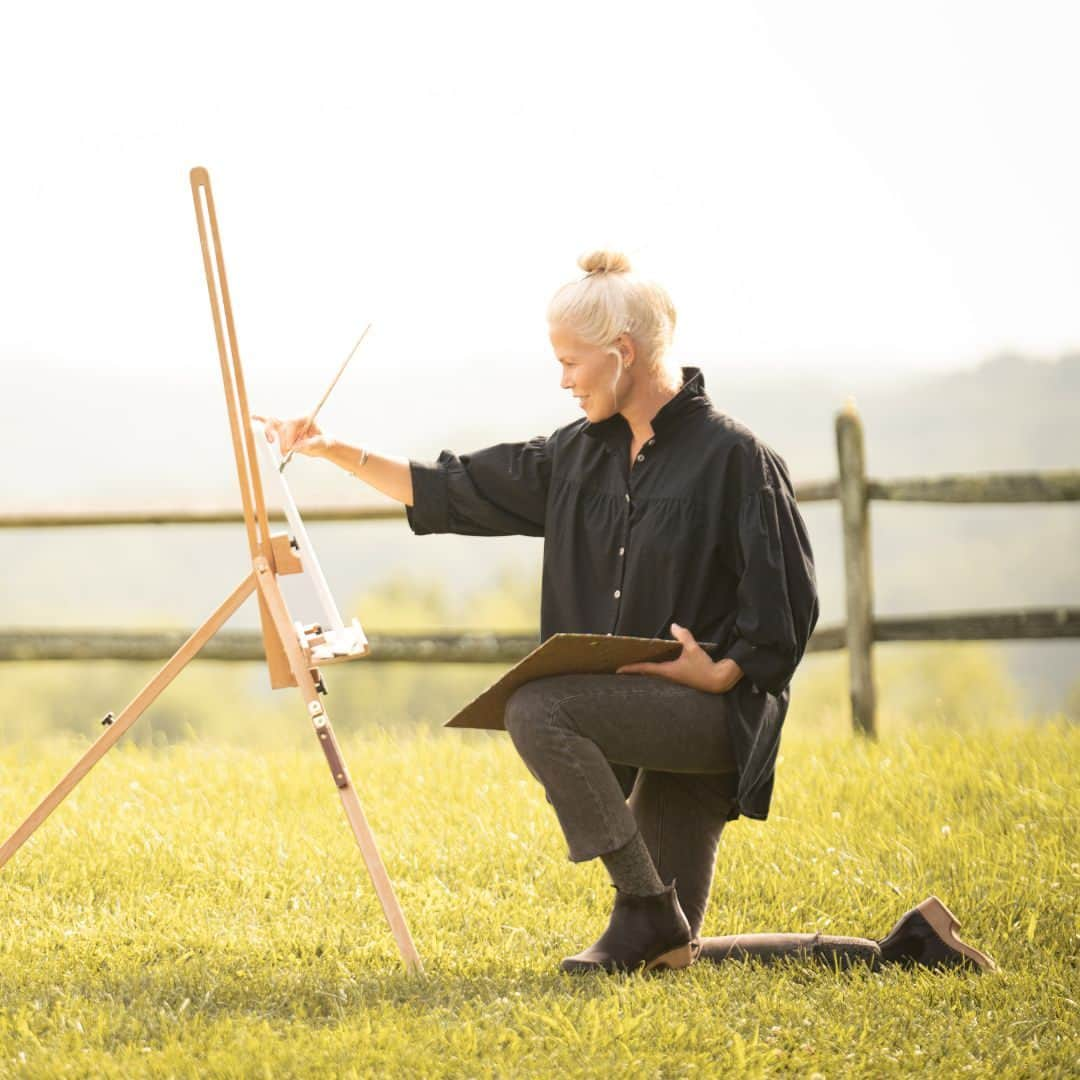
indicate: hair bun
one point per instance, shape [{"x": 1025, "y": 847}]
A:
[{"x": 605, "y": 262}]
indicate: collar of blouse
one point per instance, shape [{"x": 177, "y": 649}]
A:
[{"x": 689, "y": 399}]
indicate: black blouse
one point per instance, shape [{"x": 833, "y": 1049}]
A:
[{"x": 703, "y": 530}]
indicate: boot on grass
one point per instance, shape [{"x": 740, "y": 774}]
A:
[
  {"x": 926, "y": 936},
  {"x": 649, "y": 933}
]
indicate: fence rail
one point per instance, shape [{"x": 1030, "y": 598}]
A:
[
  {"x": 853, "y": 489},
  {"x": 1062, "y": 485},
  {"x": 30, "y": 643}
]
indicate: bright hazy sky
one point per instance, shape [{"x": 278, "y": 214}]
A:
[{"x": 821, "y": 184}]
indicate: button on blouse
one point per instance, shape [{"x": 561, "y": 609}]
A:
[{"x": 709, "y": 536}]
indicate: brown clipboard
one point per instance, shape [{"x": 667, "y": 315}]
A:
[{"x": 563, "y": 654}]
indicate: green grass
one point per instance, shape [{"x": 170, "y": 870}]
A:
[{"x": 201, "y": 907}]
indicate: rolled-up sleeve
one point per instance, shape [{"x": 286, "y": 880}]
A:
[
  {"x": 497, "y": 491},
  {"x": 776, "y": 590}
]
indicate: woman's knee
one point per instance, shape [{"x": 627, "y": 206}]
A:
[{"x": 528, "y": 714}]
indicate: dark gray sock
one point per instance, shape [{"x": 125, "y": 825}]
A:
[{"x": 632, "y": 870}]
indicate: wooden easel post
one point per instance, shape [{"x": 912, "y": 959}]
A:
[
  {"x": 288, "y": 658},
  {"x": 127, "y": 717},
  {"x": 271, "y": 591}
]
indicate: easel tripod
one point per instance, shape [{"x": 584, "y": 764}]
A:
[{"x": 292, "y": 651}]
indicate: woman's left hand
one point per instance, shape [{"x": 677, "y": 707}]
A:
[{"x": 693, "y": 667}]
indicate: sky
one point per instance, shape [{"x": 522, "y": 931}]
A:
[
  {"x": 836, "y": 186},
  {"x": 834, "y": 189}
]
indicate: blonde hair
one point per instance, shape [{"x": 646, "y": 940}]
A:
[{"x": 611, "y": 300}]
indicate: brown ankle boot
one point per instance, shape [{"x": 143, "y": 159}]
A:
[
  {"x": 926, "y": 936},
  {"x": 647, "y": 932}
]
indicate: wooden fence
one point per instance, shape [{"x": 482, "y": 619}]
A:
[{"x": 853, "y": 489}]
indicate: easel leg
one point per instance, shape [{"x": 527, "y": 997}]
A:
[
  {"x": 268, "y": 585},
  {"x": 127, "y": 717}
]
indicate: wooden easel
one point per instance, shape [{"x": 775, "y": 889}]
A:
[{"x": 292, "y": 650}]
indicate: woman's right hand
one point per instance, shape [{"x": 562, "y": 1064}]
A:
[{"x": 315, "y": 442}]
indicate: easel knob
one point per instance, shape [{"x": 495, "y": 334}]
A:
[{"x": 107, "y": 719}]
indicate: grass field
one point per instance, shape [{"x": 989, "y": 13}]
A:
[{"x": 200, "y": 908}]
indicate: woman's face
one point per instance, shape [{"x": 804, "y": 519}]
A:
[{"x": 588, "y": 372}]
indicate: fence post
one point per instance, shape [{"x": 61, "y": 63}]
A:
[{"x": 858, "y": 572}]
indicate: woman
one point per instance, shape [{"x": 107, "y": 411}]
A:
[{"x": 661, "y": 517}]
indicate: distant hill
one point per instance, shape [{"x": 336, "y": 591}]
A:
[{"x": 1008, "y": 413}]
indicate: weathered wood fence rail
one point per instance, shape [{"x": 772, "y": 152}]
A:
[{"x": 853, "y": 489}]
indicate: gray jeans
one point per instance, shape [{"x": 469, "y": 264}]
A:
[{"x": 584, "y": 736}]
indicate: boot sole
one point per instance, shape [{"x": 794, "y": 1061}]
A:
[
  {"x": 945, "y": 923},
  {"x": 674, "y": 959}
]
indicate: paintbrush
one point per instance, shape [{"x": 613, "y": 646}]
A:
[{"x": 311, "y": 419}]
